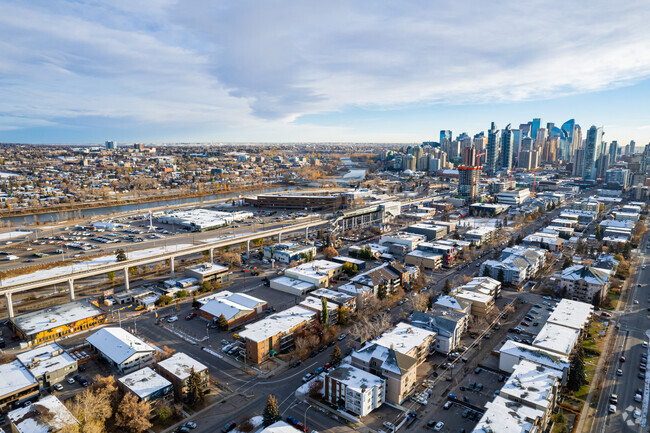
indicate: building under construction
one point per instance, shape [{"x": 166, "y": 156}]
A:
[{"x": 468, "y": 182}]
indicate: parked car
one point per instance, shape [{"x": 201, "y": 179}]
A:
[
  {"x": 191, "y": 316},
  {"x": 58, "y": 387},
  {"x": 191, "y": 425},
  {"x": 70, "y": 380},
  {"x": 439, "y": 426},
  {"x": 341, "y": 337},
  {"x": 229, "y": 427},
  {"x": 172, "y": 319}
]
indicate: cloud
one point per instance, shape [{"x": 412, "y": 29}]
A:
[{"x": 257, "y": 66}]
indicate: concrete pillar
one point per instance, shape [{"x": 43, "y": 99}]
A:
[
  {"x": 279, "y": 237},
  {"x": 126, "y": 278},
  {"x": 248, "y": 249},
  {"x": 71, "y": 289},
  {"x": 211, "y": 255},
  {"x": 10, "y": 306},
  {"x": 171, "y": 264},
  {"x": 306, "y": 234}
]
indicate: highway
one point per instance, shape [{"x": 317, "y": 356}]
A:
[{"x": 633, "y": 321}]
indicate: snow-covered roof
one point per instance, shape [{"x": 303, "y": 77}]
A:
[
  {"x": 144, "y": 382},
  {"x": 295, "y": 283},
  {"x": 449, "y": 302},
  {"x": 535, "y": 354},
  {"x": 425, "y": 254},
  {"x": 354, "y": 289},
  {"x": 208, "y": 268},
  {"x": 505, "y": 416},
  {"x": 338, "y": 297},
  {"x": 557, "y": 338},
  {"x": 43, "y": 359},
  {"x": 315, "y": 303},
  {"x": 46, "y": 415},
  {"x": 118, "y": 344},
  {"x": 56, "y": 316},
  {"x": 180, "y": 365},
  {"x": 531, "y": 383},
  {"x": 473, "y": 296},
  {"x": 15, "y": 377},
  {"x": 355, "y": 378},
  {"x": 316, "y": 269},
  {"x": 277, "y": 323},
  {"x": 589, "y": 274},
  {"x": 404, "y": 337},
  {"x": 572, "y": 314},
  {"x": 391, "y": 360},
  {"x": 279, "y": 427}
]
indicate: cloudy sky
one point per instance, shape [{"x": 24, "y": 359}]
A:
[{"x": 382, "y": 71}]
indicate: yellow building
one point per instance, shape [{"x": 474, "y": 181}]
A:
[{"x": 55, "y": 322}]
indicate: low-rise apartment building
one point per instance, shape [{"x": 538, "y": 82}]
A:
[
  {"x": 237, "y": 308},
  {"x": 409, "y": 340},
  {"x": 147, "y": 385},
  {"x": 584, "y": 283},
  {"x": 319, "y": 272},
  {"x": 177, "y": 369},
  {"x": 449, "y": 326},
  {"x": 359, "y": 391},
  {"x": 49, "y": 364},
  {"x": 121, "y": 349}
]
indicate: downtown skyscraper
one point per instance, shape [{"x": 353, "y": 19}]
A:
[
  {"x": 493, "y": 145},
  {"x": 593, "y": 145},
  {"x": 507, "y": 148}
]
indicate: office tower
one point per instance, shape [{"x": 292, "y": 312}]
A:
[
  {"x": 613, "y": 150},
  {"x": 445, "y": 134},
  {"x": 534, "y": 126},
  {"x": 540, "y": 139},
  {"x": 464, "y": 140},
  {"x": 618, "y": 177},
  {"x": 576, "y": 142},
  {"x": 492, "y": 150},
  {"x": 507, "y": 141},
  {"x": 434, "y": 163},
  {"x": 527, "y": 143},
  {"x": 632, "y": 146},
  {"x": 110, "y": 145},
  {"x": 626, "y": 149},
  {"x": 645, "y": 159},
  {"x": 409, "y": 163},
  {"x": 528, "y": 159},
  {"x": 592, "y": 145},
  {"x": 525, "y": 129},
  {"x": 550, "y": 150},
  {"x": 602, "y": 165},
  {"x": 516, "y": 142},
  {"x": 578, "y": 163},
  {"x": 469, "y": 156}
]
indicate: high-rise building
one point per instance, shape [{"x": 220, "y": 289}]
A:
[
  {"x": 445, "y": 134},
  {"x": 645, "y": 160},
  {"x": 632, "y": 146},
  {"x": 534, "y": 126},
  {"x": 469, "y": 156},
  {"x": 528, "y": 159},
  {"x": 578, "y": 162},
  {"x": 110, "y": 145},
  {"x": 468, "y": 182},
  {"x": 540, "y": 139},
  {"x": 492, "y": 150},
  {"x": 613, "y": 150},
  {"x": 409, "y": 163},
  {"x": 507, "y": 142},
  {"x": 626, "y": 149},
  {"x": 592, "y": 146},
  {"x": 602, "y": 165},
  {"x": 525, "y": 129},
  {"x": 516, "y": 142}
]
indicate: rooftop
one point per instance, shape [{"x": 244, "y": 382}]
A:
[
  {"x": 293, "y": 282},
  {"x": 473, "y": 296},
  {"x": 279, "y": 427},
  {"x": 391, "y": 360},
  {"x": 425, "y": 254},
  {"x": 277, "y": 323},
  {"x": 338, "y": 297},
  {"x": 317, "y": 304},
  {"x": 50, "y": 357},
  {"x": 404, "y": 337},
  {"x": 14, "y": 378},
  {"x": 46, "y": 415},
  {"x": 557, "y": 338},
  {"x": 53, "y": 317},
  {"x": 348, "y": 260},
  {"x": 144, "y": 382},
  {"x": 355, "y": 378},
  {"x": 505, "y": 416},
  {"x": 572, "y": 314},
  {"x": 531, "y": 383},
  {"x": 118, "y": 344},
  {"x": 208, "y": 268},
  {"x": 317, "y": 268},
  {"x": 180, "y": 365},
  {"x": 535, "y": 354}
]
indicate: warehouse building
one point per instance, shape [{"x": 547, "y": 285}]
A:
[{"x": 123, "y": 350}]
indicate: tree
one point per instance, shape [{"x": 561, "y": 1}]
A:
[
  {"x": 315, "y": 387},
  {"x": 164, "y": 413},
  {"x": 342, "y": 315},
  {"x": 232, "y": 258},
  {"x": 381, "y": 291},
  {"x": 194, "y": 389},
  {"x": 222, "y": 322},
  {"x": 447, "y": 287},
  {"x": 577, "y": 376},
  {"x": 195, "y": 304},
  {"x": 111, "y": 275},
  {"x": 335, "y": 358},
  {"x": 166, "y": 353},
  {"x": 271, "y": 412},
  {"x": 598, "y": 233},
  {"x": 419, "y": 302},
  {"x": 568, "y": 261},
  {"x": 120, "y": 255},
  {"x": 92, "y": 408},
  {"x": 133, "y": 415},
  {"x": 330, "y": 252},
  {"x": 501, "y": 275},
  {"x": 324, "y": 312}
]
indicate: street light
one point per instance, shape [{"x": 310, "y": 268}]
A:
[{"x": 305, "y": 417}]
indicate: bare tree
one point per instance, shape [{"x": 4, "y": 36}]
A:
[
  {"x": 232, "y": 258},
  {"x": 166, "y": 353},
  {"x": 133, "y": 415},
  {"x": 419, "y": 302}
]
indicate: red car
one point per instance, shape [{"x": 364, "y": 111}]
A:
[
  {"x": 525, "y": 324},
  {"x": 191, "y": 316}
]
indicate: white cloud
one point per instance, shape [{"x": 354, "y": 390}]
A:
[{"x": 258, "y": 65}]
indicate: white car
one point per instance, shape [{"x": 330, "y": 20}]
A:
[
  {"x": 439, "y": 426},
  {"x": 612, "y": 408},
  {"x": 58, "y": 387},
  {"x": 636, "y": 414},
  {"x": 172, "y": 319},
  {"x": 638, "y": 397},
  {"x": 70, "y": 380}
]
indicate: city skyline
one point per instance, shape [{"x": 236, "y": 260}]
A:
[{"x": 283, "y": 72}]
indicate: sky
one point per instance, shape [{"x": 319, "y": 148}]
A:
[{"x": 312, "y": 71}]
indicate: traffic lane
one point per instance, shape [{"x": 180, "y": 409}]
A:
[{"x": 315, "y": 419}]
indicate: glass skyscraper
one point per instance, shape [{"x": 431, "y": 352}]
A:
[{"x": 593, "y": 145}]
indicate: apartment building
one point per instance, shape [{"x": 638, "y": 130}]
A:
[
  {"x": 361, "y": 392},
  {"x": 177, "y": 369},
  {"x": 409, "y": 340}
]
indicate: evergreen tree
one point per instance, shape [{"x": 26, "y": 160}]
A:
[
  {"x": 194, "y": 389},
  {"x": 500, "y": 275},
  {"x": 195, "y": 304},
  {"x": 120, "y": 255},
  {"x": 568, "y": 261},
  {"x": 447, "y": 288},
  {"x": 222, "y": 322},
  {"x": 271, "y": 412},
  {"x": 577, "y": 371},
  {"x": 381, "y": 291},
  {"x": 486, "y": 272},
  {"x": 335, "y": 358},
  {"x": 324, "y": 312}
]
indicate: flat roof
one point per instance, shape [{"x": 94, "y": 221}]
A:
[
  {"x": 181, "y": 364},
  {"x": 355, "y": 378},
  {"x": 425, "y": 254},
  {"x": 277, "y": 323},
  {"x": 349, "y": 260},
  {"x": 557, "y": 338},
  {"x": 42, "y": 416},
  {"x": 279, "y": 427},
  {"x": 118, "y": 344},
  {"x": 535, "y": 354},
  {"x": 53, "y": 317},
  {"x": 293, "y": 282},
  {"x": 532, "y": 383},
  {"x": 15, "y": 377},
  {"x": 474, "y": 296},
  {"x": 316, "y": 304},
  {"x": 338, "y": 297},
  {"x": 572, "y": 314},
  {"x": 505, "y": 416},
  {"x": 43, "y": 359},
  {"x": 315, "y": 269},
  {"x": 403, "y": 337},
  {"x": 144, "y": 382},
  {"x": 208, "y": 269}
]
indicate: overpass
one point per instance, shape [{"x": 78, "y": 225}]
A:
[{"x": 210, "y": 246}]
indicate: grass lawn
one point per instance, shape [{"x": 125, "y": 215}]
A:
[{"x": 595, "y": 343}]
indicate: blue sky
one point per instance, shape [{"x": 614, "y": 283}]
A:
[{"x": 285, "y": 71}]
